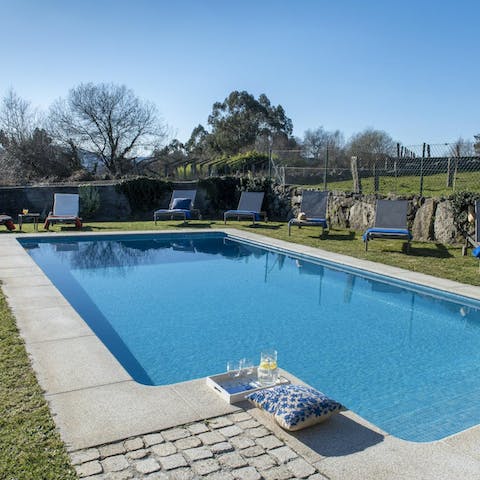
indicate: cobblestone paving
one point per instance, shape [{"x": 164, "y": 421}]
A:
[{"x": 232, "y": 447}]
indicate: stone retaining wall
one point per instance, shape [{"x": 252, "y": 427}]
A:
[{"x": 430, "y": 219}]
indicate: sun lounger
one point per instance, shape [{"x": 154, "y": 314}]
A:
[
  {"x": 65, "y": 210},
  {"x": 249, "y": 206},
  {"x": 390, "y": 222},
  {"x": 7, "y": 221},
  {"x": 181, "y": 205},
  {"x": 314, "y": 208}
]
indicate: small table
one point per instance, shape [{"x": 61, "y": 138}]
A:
[{"x": 23, "y": 216}]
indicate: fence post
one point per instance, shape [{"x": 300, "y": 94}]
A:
[
  {"x": 395, "y": 173},
  {"x": 269, "y": 162},
  {"x": 457, "y": 156},
  {"x": 421, "y": 169},
  {"x": 449, "y": 173},
  {"x": 357, "y": 186},
  {"x": 325, "y": 171}
]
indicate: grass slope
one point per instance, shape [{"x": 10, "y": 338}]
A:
[{"x": 433, "y": 185}]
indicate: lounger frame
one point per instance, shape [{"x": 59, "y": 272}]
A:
[
  {"x": 176, "y": 213},
  {"x": 314, "y": 204},
  {"x": 65, "y": 210},
  {"x": 390, "y": 216},
  {"x": 249, "y": 206}
]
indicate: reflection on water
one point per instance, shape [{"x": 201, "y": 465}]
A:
[
  {"x": 395, "y": 354},
  {"x": 99, "y": 255}
]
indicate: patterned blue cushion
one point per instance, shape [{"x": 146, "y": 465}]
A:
[
  {"x": 294, "y": 406},
  {"x": 181, "y": 204}
]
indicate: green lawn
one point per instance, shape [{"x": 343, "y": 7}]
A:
[
  {"x": 433, "y": 185},
  {"x": 29, "y": 445}
]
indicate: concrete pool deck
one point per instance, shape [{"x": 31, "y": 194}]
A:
[{"x": 95, "y": 402}]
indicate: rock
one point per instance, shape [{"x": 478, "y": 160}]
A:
[
  {"x": 444, "y": 228},
  {"x": 361, "y": 215},
  {"x": 83, "y": 456},
  {"x": 149, "y": 465},
  {"x": 175, "y": 434},
  {"x": 89, "y": 468},
  {"x": 300, "y": 468},
  {"x": 338, "y": 209},
  {"x": 112, "y": 449},
  {"x": 283, "y": 454},
  {"x": 134, "y": 444},
  {"x": 115, "y": 463},
  {"x": 423, "y": 224}
]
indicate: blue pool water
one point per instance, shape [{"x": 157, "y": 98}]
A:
[{"x": 173, "y": 308}]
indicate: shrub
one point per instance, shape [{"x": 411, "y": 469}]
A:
[
  {"x": 89, "y": 200},
  {"x": 221, "y": 192},
  {"x": 144, "y": 193},
  {"x": 461, "y": 201}
]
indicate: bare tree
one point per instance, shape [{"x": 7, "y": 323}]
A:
[
  {"x": 18, "y": 119},
  {"x": 27, "y": 149},
  {"x": 371, "y": 145},
  {"x": 476, "y": 145},
  {"x": 316, "y": 142},
  {"x": 109, "y": 121},
  {"x": 462, "y": 148}
]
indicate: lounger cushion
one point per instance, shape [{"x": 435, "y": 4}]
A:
[
  {"x": 187, "y": 213},
  {"x": 181, "y": 204},
  {"x": 241, "y": 213},
  {"x": 321, "y": 222},
  {"x": 378, "y": 232},
  {"x": 295, "y": 406}
]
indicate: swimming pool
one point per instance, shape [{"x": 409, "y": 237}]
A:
[{"x": 177, "y": 307}]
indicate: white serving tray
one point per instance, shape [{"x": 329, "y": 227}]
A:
[{"x": 234, "y": 390}]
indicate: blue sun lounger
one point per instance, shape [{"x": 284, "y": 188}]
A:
[
  {"x": 249, "y": 205},
  {"x": 314, "y": 206},
  {"x": 390, "y": 222},
  {"x": 181, "y": 204}
]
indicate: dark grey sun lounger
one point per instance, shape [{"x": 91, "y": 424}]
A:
[
  {"x": 314, "y": 206},
  {"x": 181, "y": 205},
  {"x": 390, "y": 222},
  {"x": 249, "y": 205}
]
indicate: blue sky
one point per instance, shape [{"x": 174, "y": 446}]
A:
[{"x": 410, "y": 68}]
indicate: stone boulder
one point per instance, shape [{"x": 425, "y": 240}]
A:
[
  {"x": 361, "y": 215},
  {"x": 424, "y": 219},
  {"x": 339, "y": 210},
  {"x": 444, "y": 228}
]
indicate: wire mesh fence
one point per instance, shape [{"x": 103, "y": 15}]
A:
[{"x": 429, "y": 170}]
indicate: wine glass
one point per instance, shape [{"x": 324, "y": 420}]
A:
[
  {"x": 233, "y": 368},
  {"x": 247, "y": 366}
]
